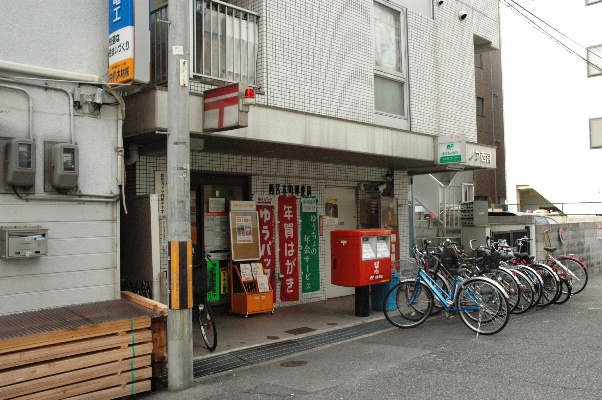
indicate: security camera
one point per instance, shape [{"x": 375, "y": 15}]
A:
[
  {"x": 381, "y": 187},
  {"x": 440, "y": 2},
  {"x": 462, "y": 15}
]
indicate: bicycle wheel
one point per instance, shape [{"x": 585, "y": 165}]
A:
[
  {"x": 207, "y": 325},
  {"x": 508, "y": 281},
  {"x": 565, "y": 291},
  {"x": 483, "y": 306},
  {"x": 527, "y": 293},
  {"x": 535, "y": 280},
  {"x": 551, "y": 284},
  {"x": 580, "y": 271},
  {"x": 413, "y": 303}
]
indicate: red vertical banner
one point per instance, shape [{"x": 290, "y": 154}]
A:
[
  {"x": 288, "y": 234},
  {"x": 267, "y": 238}
]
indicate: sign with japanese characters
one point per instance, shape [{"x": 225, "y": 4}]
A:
[
  {"x": 129, "y": 41},
  {"x": 267, "y": 239},
  {"x": 451, "y": 149},
  {"x": 221, "y": 108},
  {"x": 289, "y": 253},
  {"x": 161, "y": 191},
  {"x": 310, "y": 255}
]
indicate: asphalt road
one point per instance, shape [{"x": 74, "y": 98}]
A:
[{"x": 550, "y": 353}]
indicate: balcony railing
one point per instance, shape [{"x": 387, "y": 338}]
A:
[{"x": 224, "y": 43}]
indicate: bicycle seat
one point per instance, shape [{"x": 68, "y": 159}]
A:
[
  {"x": 524, "y": 256},
  {"x": 550, "y": 249}
]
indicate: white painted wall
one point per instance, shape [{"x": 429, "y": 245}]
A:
[{"x": 82, "y": 263}]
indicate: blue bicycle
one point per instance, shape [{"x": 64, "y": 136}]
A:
[{"x": 481, "y": 302}]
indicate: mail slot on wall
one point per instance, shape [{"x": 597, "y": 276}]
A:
[
  {"x": 360, "y": 257},
  {"x": 23, "y": 242}
]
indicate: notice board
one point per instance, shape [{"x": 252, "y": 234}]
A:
[{"x": 244, "y": 235}]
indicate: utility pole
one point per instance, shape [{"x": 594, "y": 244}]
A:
[{"x": 179, "y": 317}]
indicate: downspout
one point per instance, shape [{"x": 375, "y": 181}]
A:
[{"x": 493, "y": 124}]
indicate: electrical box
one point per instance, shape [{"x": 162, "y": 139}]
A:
[
  {"x": 21, "y": 162},
  {"x": 64, "y": 160},
  {"x": 23, "y": 242},
  {"x": 360, "y": 257}
]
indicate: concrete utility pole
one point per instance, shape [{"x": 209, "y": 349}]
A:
[{"x": 179, "y": 318}]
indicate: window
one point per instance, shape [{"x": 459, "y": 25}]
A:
[
  {"x": 595, "y": 133},
  {"x": 480, "y": 106},
  {"x": 390, "y": 67},
  {"x": 478, "y": 60},
  {"x": 594, "y": 61},
  {"x": 225, "y": 42}
]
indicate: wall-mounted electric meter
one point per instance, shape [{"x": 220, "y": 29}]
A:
[
  {"x": 21, "y": 162},
  {"x": 64, "y": 158}
]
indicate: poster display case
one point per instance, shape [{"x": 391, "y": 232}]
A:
[{"x": 251, "y": 292}]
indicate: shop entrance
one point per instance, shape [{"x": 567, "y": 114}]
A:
[
  {"x": 342, "y": 206},
  {"x": 209, "y": 206}
]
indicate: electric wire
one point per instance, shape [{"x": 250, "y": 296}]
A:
[{"x": 512, "y": 3}]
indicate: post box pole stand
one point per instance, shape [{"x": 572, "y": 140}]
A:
[{"x": 362, "y": 301}]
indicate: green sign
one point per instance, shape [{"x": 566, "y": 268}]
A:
[
  {"x": 450, "y": 159},
  {"x": 310, "y": 254},
  {"x": 213, "y": 280},
  {"x": 451, "y": 149}
]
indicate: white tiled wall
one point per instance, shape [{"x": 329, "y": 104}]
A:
[{"x": 316, "y": 56}]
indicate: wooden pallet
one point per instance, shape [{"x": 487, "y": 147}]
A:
[
  {"x": 105, "y": 361},
  {"x": 158, "y": 327}
]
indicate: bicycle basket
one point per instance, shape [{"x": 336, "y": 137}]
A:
[
  {"x": 448, "y": 259},
  {"x": 408, "y": 267},
  {"x": 490, "y": 261}
]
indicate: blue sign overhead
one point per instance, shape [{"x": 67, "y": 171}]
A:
[{"x": 121, "y": 14}]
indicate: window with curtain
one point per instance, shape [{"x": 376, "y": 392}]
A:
[
  {"x": 226, "y": 41},
  {"x": 390, "y": 67}
]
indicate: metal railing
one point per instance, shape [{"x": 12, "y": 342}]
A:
[
  {"x": 572, "y": 208},
  {"x": 224, "y": 43}
]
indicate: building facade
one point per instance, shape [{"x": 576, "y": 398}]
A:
[{"x": 351, "y": 97}]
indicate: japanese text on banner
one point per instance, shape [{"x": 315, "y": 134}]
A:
[
  {"x": 268, "y": 242},
  {"x": 310, "y": 255},
  {"x": 289, "y": 238}
]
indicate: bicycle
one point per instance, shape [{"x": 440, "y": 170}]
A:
[
  {"x": 486, "y": 264},
  {"x": 551, "y": 288},
  {"x": 206, "y": 320},
  {"x": 481, "y": 302},
  {"x": 569, "y": 269}
]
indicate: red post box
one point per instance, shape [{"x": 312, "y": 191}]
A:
[{"x": 360, "y": 257}]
